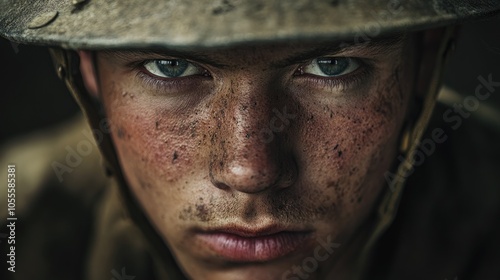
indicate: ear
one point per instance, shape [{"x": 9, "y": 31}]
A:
[{"x": 87, "y": 68}]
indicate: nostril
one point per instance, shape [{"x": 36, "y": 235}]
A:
[
  {"x": 253, "y": 174},
  {"x": 220, "y": 185},
  {"x": 248, "y": 179}
]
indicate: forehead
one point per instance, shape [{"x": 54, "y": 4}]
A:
[{"x": 279, "y": 55}]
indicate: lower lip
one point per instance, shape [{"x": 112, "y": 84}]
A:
[{"x": 253, "y": 249}]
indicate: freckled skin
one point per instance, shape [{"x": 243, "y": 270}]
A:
[{"x": 194, "y": 157}]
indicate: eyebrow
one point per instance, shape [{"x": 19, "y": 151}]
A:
[
  {"x": 189, "y": 55},
  {"x": 378, "y": 45}
]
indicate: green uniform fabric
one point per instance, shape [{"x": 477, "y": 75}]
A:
[{"x": 447, "y": 226}]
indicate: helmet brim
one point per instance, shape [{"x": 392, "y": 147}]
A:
[{"x": 103, "y": 24}]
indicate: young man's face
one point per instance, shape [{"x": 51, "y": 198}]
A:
[{"x": 252, "y": 161}]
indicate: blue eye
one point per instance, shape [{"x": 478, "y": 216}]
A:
[
  {"x": 331, "y": 66},
  {"x": 172, "y": 68}
]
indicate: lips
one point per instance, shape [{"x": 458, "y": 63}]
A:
[{"x": 246, "y": 245}]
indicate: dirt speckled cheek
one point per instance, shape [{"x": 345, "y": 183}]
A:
[
  {"x": 347, "y": 147},
  {"x": 149, "y": 139},
  {"x": 207, "y": 165}
]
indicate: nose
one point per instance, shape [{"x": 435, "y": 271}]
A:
[{"x": 248, "y": 151}]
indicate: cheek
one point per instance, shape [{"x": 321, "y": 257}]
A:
[
  {"x": 348, "y": 147},
  {"x": 157, "y": 149}
]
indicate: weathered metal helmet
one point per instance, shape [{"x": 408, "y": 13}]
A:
[
  {"x": 67, "y": 25},
  {"x": 92, "y": 24}
]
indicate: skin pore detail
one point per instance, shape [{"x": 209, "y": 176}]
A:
[
  {"x": 251, "y": 140},
  {"x": 192, "y": 152}
]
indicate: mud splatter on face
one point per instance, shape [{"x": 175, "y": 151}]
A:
[{"x": 192, "y": 154}]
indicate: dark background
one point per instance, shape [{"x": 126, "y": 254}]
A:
[{"x": 33, "y": 98}]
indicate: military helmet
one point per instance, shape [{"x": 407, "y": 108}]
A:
[{"x": 92, "y": 24}]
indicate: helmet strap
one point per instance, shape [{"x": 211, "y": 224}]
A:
[
  {"x": 409, "y": 143},
  {"x": 67, "y": 64}
]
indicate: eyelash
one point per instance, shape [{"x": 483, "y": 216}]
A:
[
  {"x": 341, "y": 83},
  {"x": 166, "y": 84}
]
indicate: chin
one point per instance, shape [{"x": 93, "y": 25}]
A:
[{"x": 287, "y": 270}]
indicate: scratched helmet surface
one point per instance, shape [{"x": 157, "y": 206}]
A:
[{"x": 95, "y": 24}]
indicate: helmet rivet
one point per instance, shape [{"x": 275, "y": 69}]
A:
[
  {"x": 42, "y": 20},
  {"x": 60, "y": 72},
  {"x": 78, "y": 2}
]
